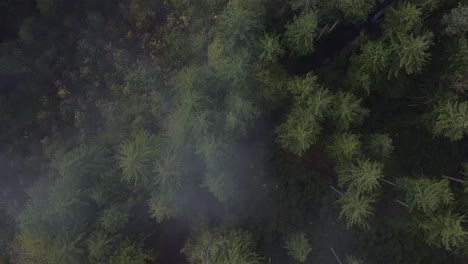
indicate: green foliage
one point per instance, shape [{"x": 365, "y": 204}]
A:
[
  {"x": 113, "y": 219},
  {"x": 356, "y": 209},
  {"x": 301, "y": 32},
  {"x": 84, "y": 161},
  {"x": 303, "y": 4},
  {"x": 221, "y": 247},
  {"x": 445, "y": 231},
  {"x": 403, "y": 20},
  {"x": 362, "y": 177},
  {"x": 241, "y": 113},
  {"x": 344, "y": 148},
  {"x": 141, "y": 78},
  {"x": 299, "y": 132},
  {"x": 298, "y": 246},
  {"x": 130, "y": 252},
  {"x": 136, "y": 157},
  {"x": 412, "y": 53},
  {"x": 353, "y": 260},
  {"x": 270, "y": 47},
  {"x": 356, "y": 8},
  {"x": 456, "y": 22},
  {"x": 141, "y": 12},
  {"x": 347, "y": 110},
  {"x": 425, "y": 194},
  {"x": 238, "y": 27},
  {"x": 48, "y": 7},
  {"x": 167, "y": 171},
  {"x": 375, "y": 57},
  {"x": 379, "y": 146},
  {"x": 100, "y": 247},
  {"x": 221, "y": 184},
  {"x": 161, "y": 207},
  {"x": 451, "y": 119}
]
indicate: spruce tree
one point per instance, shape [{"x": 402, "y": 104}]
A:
[
  {"x": 425, "y": 194},
  {"x": 356, "y": 209},
  {"x": 347, "y": 111},
  {"x": 301, "y": 32},
  {"x": 451, "y": 119},
  {"x": 297, "y": 246},
  {"x": 445, "y": 231},
  {"x": 361, "y": 177}
]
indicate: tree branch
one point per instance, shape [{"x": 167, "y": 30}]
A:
[
  {"x": 402, "y": 203},
  {"x": 333, "y": 188},
  {"x": 453, "y": 179},
  {"x": 389, "y": 182},
  {"x": 336, "y": 256}
]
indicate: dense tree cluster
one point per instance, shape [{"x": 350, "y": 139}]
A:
[{"x": 234, "y": 131}]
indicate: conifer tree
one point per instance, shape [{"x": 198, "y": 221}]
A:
[
  {"x": 445, "y": 231},
  {"x": 361, "y": 177},
  {"x": 405, "y": 19},
  {"x": 223, "y": 247},
  {"x": 301, "y": 32},
  {"x": 100, "y": 247},
  {"x": 238, "y": 26},
  {"x": 344, "y": 148},
  {"x": 298, "y": 246},
  {"x": 355, "y": 8},
  {"x": 425, "y": 194},
  {"x": 379, "y": 146},
  {"x": 356, "y": 209},
  {"x": 136, "y": 157},
  {"x": 451, "y": 119},
  {"x": 131, "y": 252},
  {"x": 411, "y": 53},
  {"x": 299, "y": 132},
  {"x": 456, "y": 22},
  {"x": 270, "y": 47},
  {"x": 347, "y": 110}
]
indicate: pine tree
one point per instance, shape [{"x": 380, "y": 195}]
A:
[
  {"x": 356, "y": 209},
  {"x": 347, "y": 110},
  {"x": 168, "y": 174},
  {"x": 301, "y": 32},
  {"x": 270, "y": 47},
  {"x": 221, "y": 247},
  {"x": 361, "y": 177},
  {"x": 425, "y": 194},
  {"x": 240, "y": 114},
  {"x": 379, "y": 146},
  {"x": 456, "y": 22},
  {"x": 451, "y": 119},
  {"x": 136, "y": 157},
  {"x": 100, "y": 247},
  {"x": 404, "y": 19},
  {"x": 375, "y": 57},
  {"x": 238, "y": 27},
  {"x": 113, "y": 219},
  {"x": 162, "y": 206},
  {"x": 84, "y": 161},
  {"x": 344, "y": 148},
  {"x": 298, "y": 246},
  {"x": 131, "y": 252},
  {"x": 299, "y": 132},
  {"x": 221, "y": 184},
  {"x": 356, "y": 8},
  {"x": 445, "y": 231},
  {"x": 412, "y": 53}
]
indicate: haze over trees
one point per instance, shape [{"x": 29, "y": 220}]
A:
[{"x": 234, "y": 131}]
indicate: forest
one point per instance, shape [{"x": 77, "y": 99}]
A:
[{"x": 234, "y": 132}]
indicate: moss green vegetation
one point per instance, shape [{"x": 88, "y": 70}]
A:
[{"x": 233, "y": 131}]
